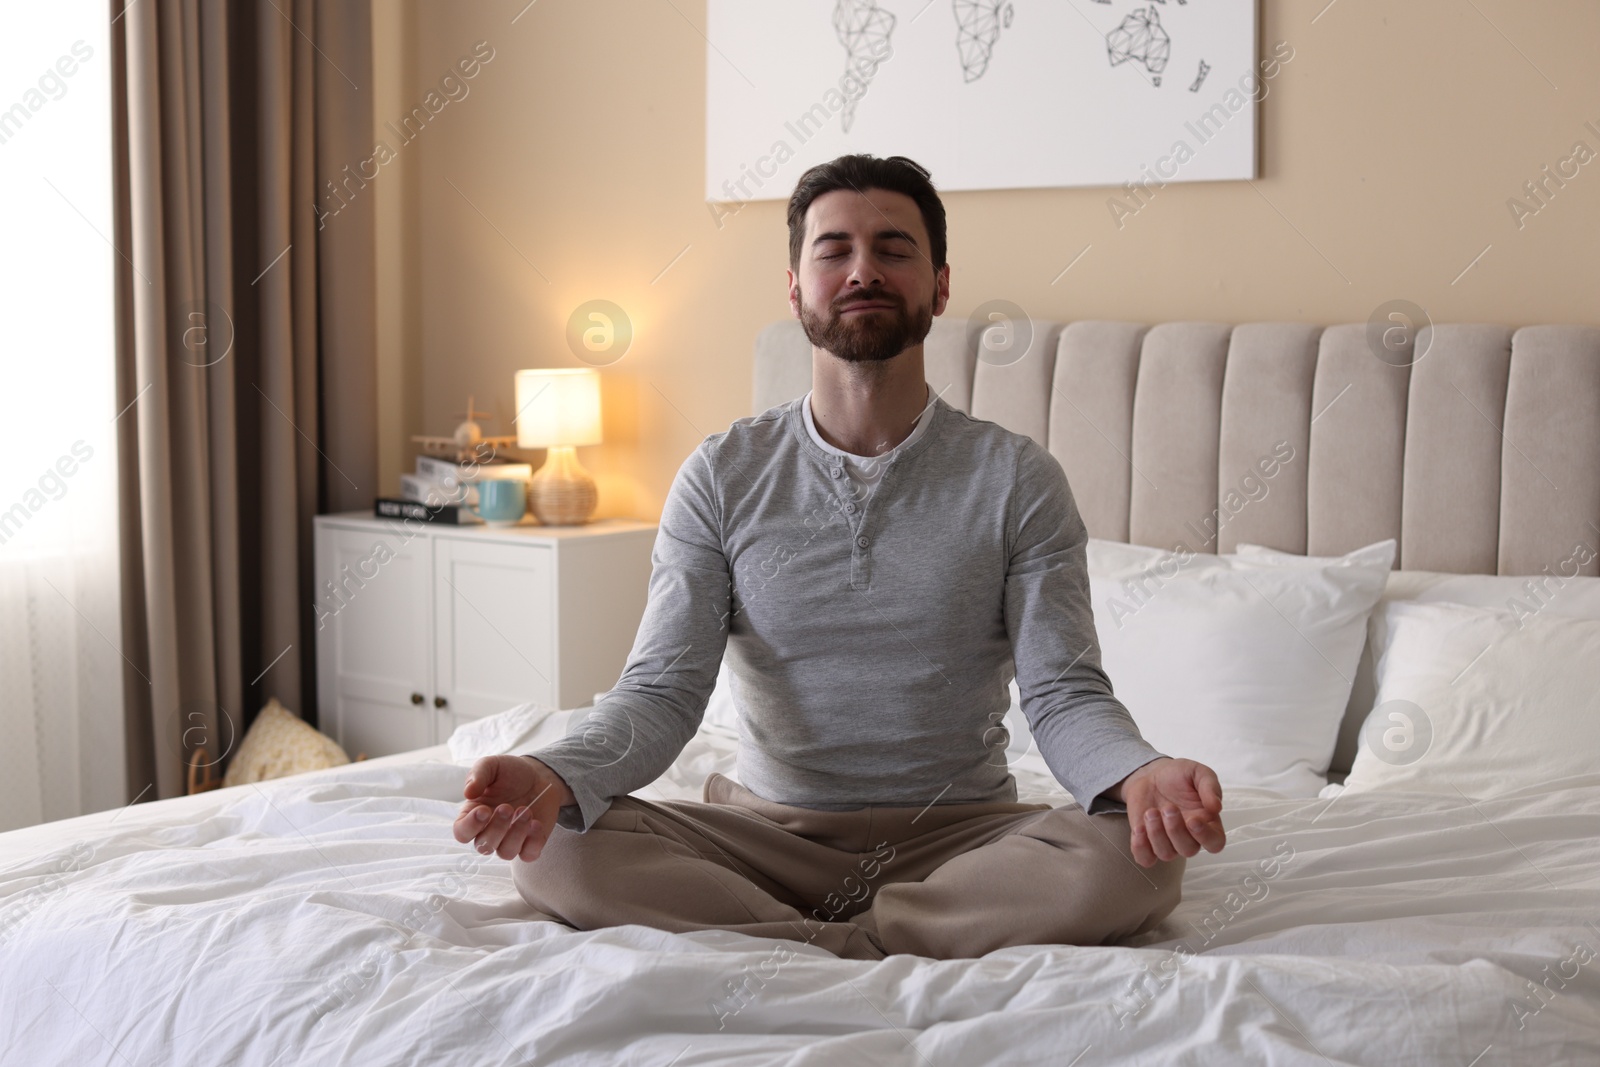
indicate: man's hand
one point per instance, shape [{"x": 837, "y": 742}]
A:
[
  {"x": 511, "y": 806},
  {"x": 1174, "y": 807}
]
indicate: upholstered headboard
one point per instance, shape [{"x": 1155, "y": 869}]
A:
[{"x": 1480, "y": 456}]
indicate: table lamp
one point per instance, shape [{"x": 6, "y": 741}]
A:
[{"x": 560, "y": 410}]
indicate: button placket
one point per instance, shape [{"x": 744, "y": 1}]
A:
[
  {"x": 856, "y": 515},
  {"x": 861, "y": 555},
  {"x": 860, "y": 562}
]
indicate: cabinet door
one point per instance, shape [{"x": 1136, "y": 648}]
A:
[
  {"x": 374, "y": 637},
  {"x": 495, "y": 635}
]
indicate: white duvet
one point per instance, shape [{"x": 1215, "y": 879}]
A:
[{"x": 332, "y": 919}]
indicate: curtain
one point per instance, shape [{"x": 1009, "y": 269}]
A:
[{"x": 245, "y": 345}]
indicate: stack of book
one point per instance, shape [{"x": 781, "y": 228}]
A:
[{"x": 443, "y": 490}]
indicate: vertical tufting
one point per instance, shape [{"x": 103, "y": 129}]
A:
[
  {"x": 1550, "y": 463},
  {"x": 1148, "y": 423},
  {"x": 1450, "y": 514},
  {"x": 1091, "y": 419},
  {"x": 1358, "y": 444},
  {"x": 1264, "y": 443},
  {"x": 1177, "y": 414},
  {"x": 1016, "y": 394}
]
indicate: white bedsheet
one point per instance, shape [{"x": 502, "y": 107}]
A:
[{"x": 332, "y": 919}]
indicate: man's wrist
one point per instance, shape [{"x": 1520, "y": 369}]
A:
[
  {"x": 563, "y": 791},
  {"x": 1115, "y": 792}
]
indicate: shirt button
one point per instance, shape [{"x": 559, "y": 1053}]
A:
[
  {"x": 863, "y": 541},
  {"x": 850, "y": 508},
  {"x": 837, "y": 473}
]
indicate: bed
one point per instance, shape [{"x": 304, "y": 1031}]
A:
[{"x": 331, "y": 917}]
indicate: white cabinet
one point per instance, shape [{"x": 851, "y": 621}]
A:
[
  {"x": 495, "y": 608},
  {"x": 420, "y": 627},
  {"x": 374, "y": 611}
]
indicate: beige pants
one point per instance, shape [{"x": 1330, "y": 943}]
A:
[{"x": 948, "y": 881}]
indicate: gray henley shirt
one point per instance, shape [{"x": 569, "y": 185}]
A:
[{"x": 871, "y": 634}]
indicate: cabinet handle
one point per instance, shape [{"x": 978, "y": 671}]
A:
[
  {"x": 440, "y": 702},
  {"x": 416, "y": 698}
]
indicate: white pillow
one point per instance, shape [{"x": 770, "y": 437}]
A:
[
  {"x": 1477, "y": 701},
  {"x": 1558, "y": 592},
  {"x": 1243, "y": 663}
]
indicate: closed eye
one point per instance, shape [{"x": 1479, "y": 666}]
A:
[{"x": 891, "y": 255}]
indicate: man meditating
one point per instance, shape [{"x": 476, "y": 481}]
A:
[{"x": 875, "y": 564}]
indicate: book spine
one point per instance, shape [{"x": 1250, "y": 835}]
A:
[
  {"x": 422, "y": 490},
  {"x": 444, "y": 514},
  {"x": 519, "y": 472},
  {"x": 449, "y": 473},
  {"x": 437, "y": 469}
]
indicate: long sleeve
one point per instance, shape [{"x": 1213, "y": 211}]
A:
[
  {"x": 640, "y": 726},
  {"x": 1085, "y": 734}
]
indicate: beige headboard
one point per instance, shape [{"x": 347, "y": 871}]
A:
[{"x": 1481, "y": 456}]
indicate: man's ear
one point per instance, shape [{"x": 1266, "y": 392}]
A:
[
  {"x": 941, "y": 295},
  {"x": 794, "y": 293}
]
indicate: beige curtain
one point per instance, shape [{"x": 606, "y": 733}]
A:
[{"x": 245, "y": 347}]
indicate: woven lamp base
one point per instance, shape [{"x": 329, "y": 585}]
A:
[{"x": 562, "y": 493}]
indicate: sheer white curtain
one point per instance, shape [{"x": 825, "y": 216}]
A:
[{"x": 61, "y": 661}]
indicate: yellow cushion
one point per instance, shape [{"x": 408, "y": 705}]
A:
[{"x": 278, "y": 743}]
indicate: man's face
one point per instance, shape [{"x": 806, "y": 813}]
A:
[{"x": 866, "y": 289}]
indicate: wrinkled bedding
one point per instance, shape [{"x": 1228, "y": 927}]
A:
[{"x": 332, "y": 918}]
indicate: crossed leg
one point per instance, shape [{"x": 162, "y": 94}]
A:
[
  {"x": 946, "y": 882},
  {"x": 1058, "y": 878},
  {"x": 682, "y": 866}
]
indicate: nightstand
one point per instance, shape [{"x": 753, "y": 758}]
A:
[{"x": 422, "y": 626}]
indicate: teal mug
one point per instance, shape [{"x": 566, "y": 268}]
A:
[{"x": 501, "y": 501}]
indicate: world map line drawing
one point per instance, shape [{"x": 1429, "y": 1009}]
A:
[
  {"x": 978, "y": 24},
  {"x": 1142, "y": 39},
  {"x": 1096, "y": 90},
  {"x": 865, "y": 29}
]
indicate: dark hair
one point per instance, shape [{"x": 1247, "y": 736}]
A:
[{"x": 897, "y": 174}]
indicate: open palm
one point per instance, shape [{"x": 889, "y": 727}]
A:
[
  {"x": 511, "y": 806},
  {"x": 1174, "y": 809}
]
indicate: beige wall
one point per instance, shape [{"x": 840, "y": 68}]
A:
[{"x": 1390, "y": 145}]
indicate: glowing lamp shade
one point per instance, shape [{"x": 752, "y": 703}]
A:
[
  {"x": 558, "y": 407},
  {"x": 560, "y": 410}
]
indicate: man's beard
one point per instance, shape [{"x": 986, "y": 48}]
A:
[{"x": 868, "y": 336}]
